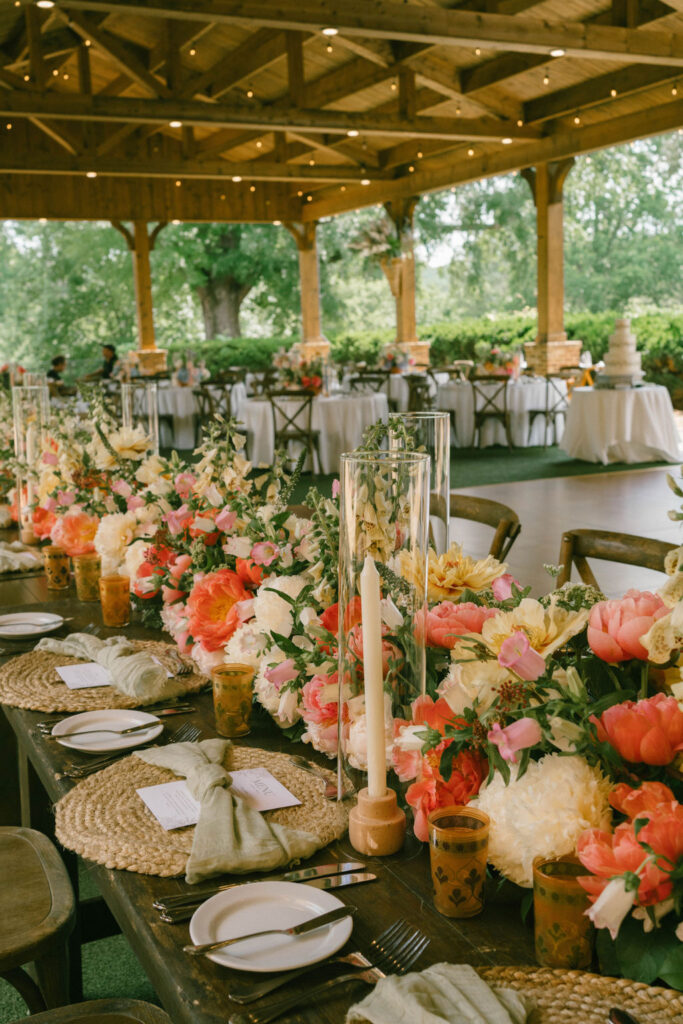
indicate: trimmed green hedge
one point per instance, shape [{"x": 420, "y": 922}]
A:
[{"x": 660, "y": 337}]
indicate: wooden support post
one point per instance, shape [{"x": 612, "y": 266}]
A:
[
  {"x": 551, "y": 350},
  {"x": 314, "y": 344},
  {"x": 400, "y": 272},
  {"x": 150, "y": 358}
]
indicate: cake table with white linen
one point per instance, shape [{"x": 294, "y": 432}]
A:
[
  {"x": 621, "y": 425},
  {"x": 526, "y": 395}
]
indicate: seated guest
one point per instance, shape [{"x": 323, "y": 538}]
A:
[
  {"x": 109, "y": 370},
  {"x": 57, "y": 367}
]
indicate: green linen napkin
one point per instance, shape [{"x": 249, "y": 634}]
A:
[
  {"x": 454, "y": 993},
  {"x": 230, "y": 835},
  {"x": 133, "y": 672}
]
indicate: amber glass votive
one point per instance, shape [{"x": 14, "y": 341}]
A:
[
  {"x": 115, "y": 598},
  {"x": 458, "y": 848},
  {"x": 56, "y": 563},
  {"x": 87, "y": 570},
  {"x": 232, "y": 698},
  {"x": 563, "y": 933}
]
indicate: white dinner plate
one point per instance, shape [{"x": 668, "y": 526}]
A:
[
  {"x": 95, "y": 742},
  {"x": 259, "y": 905},
  {"x": 20, "y": 624}
]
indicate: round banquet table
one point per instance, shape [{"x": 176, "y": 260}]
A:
[
  {"x": 341, "y": 420},
  {"x": 621, "y": 425},
  {"x": 179, "y": 405},
  {"x": 524, "y": 396}
]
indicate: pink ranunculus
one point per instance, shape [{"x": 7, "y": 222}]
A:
[
  {"x": 75, "y": 532},
  {"x": 50, "y": 459},
  {"x": 517, "y": 654},
  {"x": 122, "y": 487},
  {"x": 226, "y": 519},
  {"x": 502, "y": 587},
  {"x": 313, "y": 708},
  {"x": 184, "y": 482},
  {"x": 66, "y": 497},
  {"x": 525, "y": 732},
  {"x": 447, "y": 622},
  {"x": 135, "y": 501},
  {"x": 180, "y": 566},
  {"x": 282, "y": 673},
  {"x": 615, "y": 628},
  {"x": 178, "y": 519},
  {"x": 264, "y": 553}
]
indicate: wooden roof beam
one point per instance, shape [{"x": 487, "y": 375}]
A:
[
  {"x": 412, "y": 23},
  {"x": 596, "y": 91},
  {"x": 138, "y": 111},
  {"x": 258, "y": 51}
]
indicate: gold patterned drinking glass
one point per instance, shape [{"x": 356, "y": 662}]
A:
[
  {"x": 564, "y": 935},
  {"x": 232, "y": 698},
  {"x": 115, "y": 598},
  {"x": 87, "y": 570},
  {"x": 458, "y": 848},
  {"x": 56, "y": 563}
]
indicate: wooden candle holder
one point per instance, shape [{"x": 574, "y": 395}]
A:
[{"x": 377, "y": 825}]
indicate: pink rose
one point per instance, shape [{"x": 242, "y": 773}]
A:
[
  {"x": 390, "y": 652},
  {"x": 447, "y": 621},
  {"x": 313, "y": 708},
  {"x": 525, "y": 732},
  {"x": 615, "y": 627},
  {"x": 282, "y": 673},
  {"x": 517, "y": 653},
  {"x": 502, "y": 587}
]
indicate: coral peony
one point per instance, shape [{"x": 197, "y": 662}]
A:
[
  {"x": 615, "y": 628},
  {"x": 406, "y": 754},
  {"x": 75, "y": 532},
  {"x": 43, "y": 522},
  {"x": 329, "y": 619},
  {"x": 644, "y": 732},
  {"x": 447, "y": 622},
  {"x": 636, "y": 802},
  {"x": 432, "y": 790},
  {"x": 248, "y": 571},
  {"x": 390, "y": 652},
  {"x": 607, "y": 855},
  {"x": 213, "y": 617}
]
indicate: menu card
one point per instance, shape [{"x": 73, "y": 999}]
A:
[
  {"x": 89, "y": 675},
  {"x": 173, "y": 805}
]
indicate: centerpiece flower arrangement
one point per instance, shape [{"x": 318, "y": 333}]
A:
[
  {"x": 7, "y": 480},
  {"x": 297, "y": 372},
  {"x": 394, "y": 359},
  {"x": 495, "y": 360}
]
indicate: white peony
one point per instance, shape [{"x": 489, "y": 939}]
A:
[
  {"x": 134, "y": 557},
  {"x": 126, "y": 442},
  {"x": 543, "y": 813},
  {"x": 206, "y": 661},
  {"x": 148, "y": 470},
  {"x": 114, "y": 534},
  {"x": 245, "y": 646},
  {"x": 271, "y": 612},
  {"x": 472, "y": 682}
]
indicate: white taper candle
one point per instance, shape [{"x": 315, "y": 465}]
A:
[{"x": 374, "y": 678}]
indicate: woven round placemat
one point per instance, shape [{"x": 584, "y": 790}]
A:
[
  {"x": 104, "y": 819},
  {"x": 576, "y": 997},
  {"x": 30, "y": 681}
]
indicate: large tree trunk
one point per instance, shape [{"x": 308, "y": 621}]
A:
[{"x": 221, "y": 299}]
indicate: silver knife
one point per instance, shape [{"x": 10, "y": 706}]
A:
[
  {"x": 300, "y": 875},
  {"x": 298, "y": 929}
]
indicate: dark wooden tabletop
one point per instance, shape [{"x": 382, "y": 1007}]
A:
[{"x": 197, "y": 990}]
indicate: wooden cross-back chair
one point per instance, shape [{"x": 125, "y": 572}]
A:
[
  {"x": 205, "y": 411},
  {"x": 366, "y": 380},
  {"x": 292, "y": 421},
  {"x": 503, "y": 520},
  {"x": 490, "y": 402},
  {"x": 556, "y": 404},
  {"x": 263, "y": 380},
  {"x": 606, "y": 546},
  {"x": 459, "y": 369}
]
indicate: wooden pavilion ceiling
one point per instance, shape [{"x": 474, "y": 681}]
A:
[{"x": 247, "y": 110}]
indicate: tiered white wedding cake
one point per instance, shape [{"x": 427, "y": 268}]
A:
[{"x": 622, "y": 360}]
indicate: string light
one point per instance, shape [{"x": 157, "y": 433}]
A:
[
  {"x": 393, "y": 86},
  {"x": 410, "y": 170},
  {"x": 477, "y": 52},
  {"x": 8, "y": 126},
  {"x": 175, "y": 221},
  {"x": 311, "y": 162},
  {"x": 674, "y": 90},
  {"x": 252, "y": 188},
  {"x": 27, "y": 78},
  {"x": 419, "y": 154},
  {"x": 506, "y": 141},
  {"x": 178, "y": 183},
  {"x": 470, "y": 152},
  {"x": 613, "y": 93},
  {"x": 329, "y": 30},
  {"x": 546, "y": 79},
  {"x": 55, "y": 72},
  {"x": 277, "y": 223},
  {"x": 329, "y": 47},
  {"x": 259, "y": 144},
  {"x": 236, "y": 178},
  {"x": 91, "y": 174},
  {"x": 65, "y": 76},
  {"x": 250, "y": 93},
  {"x": 309, "y": 199},
  {"x": 352, "y": 133},
  {"x": 559, "y": 52},
  {"x": 520, "y": 122},
  {"x": 222, "y": 195},
  {"x": 46, "y": 4},
  {"x": 175, "y": 124},
  {"x": 458, "y": 111},
  {"x": 299, "y": 193},
  {"x": 88, "y": 42},
  {"x": 365, "y": 181},
  {"x": 193, "y": 52},
  {"x": 577, "y": 119},
  {"x": 343, "y": 188},
  {"x": 42, "y": 220}
]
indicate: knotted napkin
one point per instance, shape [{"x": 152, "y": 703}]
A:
[
  {"x": 230, "y": 835},
  {"x": 133, "y": 672},
  {"x": 452, "y": 993}
]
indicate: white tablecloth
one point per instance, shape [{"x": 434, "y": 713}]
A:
[
  {"x": 341, "y": 420},
  {"x": 181, "y": 405},
  {"x": 524, "y": 396},
  {"x": 629, "y": 425}
]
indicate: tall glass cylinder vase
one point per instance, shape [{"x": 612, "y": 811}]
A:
[
  {"x": 383, "y": 528},
  {"x": 430, "y": 432},
  {"x": 140, "y": 407},
  {"x": 30, "y": 412}
]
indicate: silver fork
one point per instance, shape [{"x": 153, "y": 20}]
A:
[
  {"x": 187, "y": 733},
  {"x": 384, "y": 946},
  {"x": 181, "y": 667},
  {"x": 398, "y": 962}
]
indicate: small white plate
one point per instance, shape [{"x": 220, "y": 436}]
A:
[
  {"x": 95, "y": 742},
  {"x": 259, "y": 905},
  {"x": 20, "y": 624}
]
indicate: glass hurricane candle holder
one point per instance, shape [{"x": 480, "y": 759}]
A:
[
  {"x": 563, "y": 933},
  {"x": 115, "y": 600},
  {"x": 383, "y": 532},
  {"x": 430, "y": 432},
  {"x": 30, "y": 414},
  {"x": 56, "y": 562},
  {"x": 87, "y": 572},
  {"x": 232, "y": 698},
  {"x": 458, "y": 850},
  {"x": 140, "y": 407}
]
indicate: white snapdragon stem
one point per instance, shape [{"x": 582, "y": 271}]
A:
[{"x": 611, "y": 906}]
